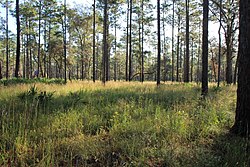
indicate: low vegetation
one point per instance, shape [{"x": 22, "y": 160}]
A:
[
  {"x": 14, "y": 81},
  {"x": 120, "y": 124}
]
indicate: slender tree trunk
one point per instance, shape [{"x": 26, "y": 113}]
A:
[
  {"x": 30, "y": 53},
  {"x": 77, "y": 69},
  {"x": 186, "y": 71},
  {"x": 236, "y": 70},
  {"x": 45, "y": 49},
  {"x": 219, "y": 56},
  {"x": 27, "y": 52},
  {"x": 7, "y": 39},
  {"x": 213, "y": 67},
  {"x": 192, "y": 61},
  {"x": 178, "y": 48},
  {"x": 18, "y": 40},
  {"x": 108, "y": 53},
  {"x": 205, "y": 49},
  {"x": 24, "y": 56},
  {"x": 115, "y": 59},
  {"x": 199, "y": 55},
  {"x": 164, "y": 45},
  {"x": 39, "y": 39},
  {"x": 97, "y": 59},
  {"x": 49, "y": 47},
  {"x": 229, "y": 70},
  {"x": 173, "y": 17},
  {"x": 64, "y": 43},
  {"x": 159, "y": 43},
  {"x": 139, "y": 39},
  {"x": 105, "y": 44},
  {"x": 178, "y": 55},
  {"x": 1, "y": 75},
  {"x": 181, "y": 59},
  {"x": 242, "y": 118},
  {"x": 142, "y": 42},
  {"x": 127, "y": 44},
  {"x": 130, "y": 41},
  {"x": 94, "y": 74},
  {"x": 82, "y": 65}
]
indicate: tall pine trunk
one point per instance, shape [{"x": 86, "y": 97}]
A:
[
  {"x": 159, "y": 43},
  {"x": 105, "y": 44},
  {"x": 242, "y": 118},
  {"x": 219, "y": 56},
  {"x": 173, "y": 41},
  {"x": 205, "y": 49},
  {"x": 186, "y": 68},
  {"x": 45, "y": 49},
  {"x": 130, "y": 42},
  {"x": 127, "y": 43},
  {"x": 39, "y": 39},
  {"x": 27, "y": 52},
  {"x": 64, "y": 43},
  {"x": 7, "y": 39},
  {"x": 18, "y": 40},
  {"x": 142, "y": 42},
  {"x": 178, "y": 49},
  {"x": 94, "y": 74},
  {"x": 192, "y": 61}
]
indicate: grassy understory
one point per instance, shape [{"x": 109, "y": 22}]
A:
[{"x": 121, "y": 124}]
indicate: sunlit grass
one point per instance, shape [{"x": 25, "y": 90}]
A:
[{"x": 120, "y": 124}]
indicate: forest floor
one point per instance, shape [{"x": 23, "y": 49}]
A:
[{"x": 120, "y": 124}]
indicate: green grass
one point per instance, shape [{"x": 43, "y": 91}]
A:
[{"x": 121, "y": 124}]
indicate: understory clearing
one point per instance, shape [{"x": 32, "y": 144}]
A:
[{"x": 119, "y": 124}]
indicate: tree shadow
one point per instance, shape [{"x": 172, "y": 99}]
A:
[{"x": 231, "y": 150}]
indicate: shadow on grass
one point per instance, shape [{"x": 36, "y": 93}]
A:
[{"x": 232, "y": 150}]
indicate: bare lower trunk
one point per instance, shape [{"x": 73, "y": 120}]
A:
[{"x": 242, "y": 118}]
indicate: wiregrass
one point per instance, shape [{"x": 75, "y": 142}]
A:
[{"x": 119, "y": 124}]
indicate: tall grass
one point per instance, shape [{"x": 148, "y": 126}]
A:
[{"x": 120, "y": 124}]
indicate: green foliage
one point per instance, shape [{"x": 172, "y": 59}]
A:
[{"x": 119, "y": 125}]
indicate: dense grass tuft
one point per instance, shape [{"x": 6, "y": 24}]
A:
[{"x": 120, "y": 124}]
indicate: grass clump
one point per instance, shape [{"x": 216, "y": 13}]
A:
[{"x": 120, "y": 124}]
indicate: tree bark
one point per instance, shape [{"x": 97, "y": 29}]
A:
[
  {"x": 242, "y": 118},
  {"x": 45, "y": 49},
  {"x": 192, "y": 61},
  {"x": 64, "y": 43},
  {"x": 236, "y": 70},
  {"x": 177, "y": 59},
  {"x": 94, "y": 74},
  {"x": 108, "y": 51},
  {"x": 1, "y": 75},
  {"x": 18, "y": 40},
  {"x": 219, "y": 56},
  {"x": 142, "y": 42},
  {"x": 39, "y": 39},
  {"x": 105, "y": 45},
  {"x": 173, "y": 41},
  {"x": 199, "y": 54},
  {"x": 127, "y": 44},
  {"x": 164, "y": 50},
  {"x": 186, "y": 70},
  {"x": 159, "y": 44},
  {"x": 229, "y": 69},
  {"x": 205, "y": 49},
  {"x": 7, "y": 39},
  {"x": 27, "y": 52},
  {"x": 130, "y": 41}
]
